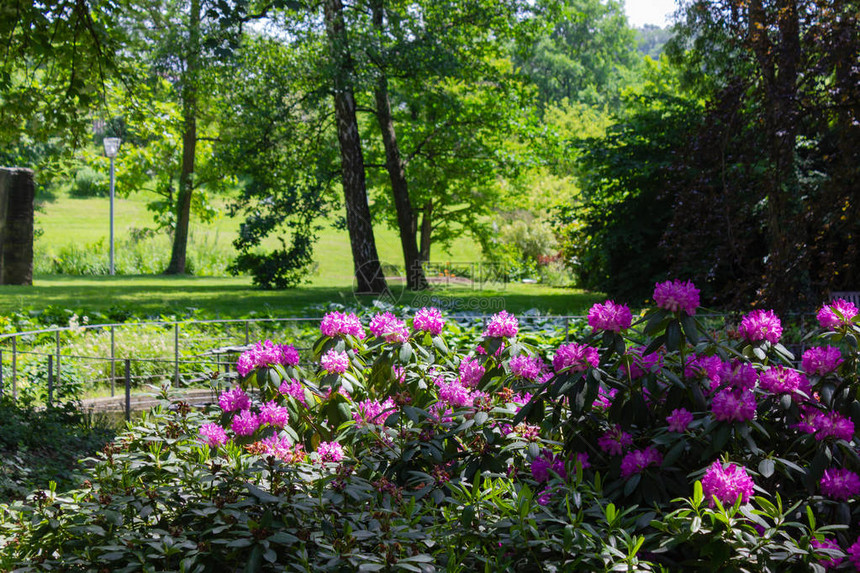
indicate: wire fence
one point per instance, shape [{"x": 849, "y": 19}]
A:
[{"x": 61, "y": 362}]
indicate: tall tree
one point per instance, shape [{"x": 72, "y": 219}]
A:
[{"x": 368, "y": 270}]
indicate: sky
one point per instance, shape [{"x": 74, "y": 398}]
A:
[{"x": 657, "y": 12}]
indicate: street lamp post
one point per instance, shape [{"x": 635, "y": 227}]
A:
[{"x": 111, "y": 149}]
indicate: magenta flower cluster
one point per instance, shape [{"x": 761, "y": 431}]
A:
[
  {"x": 245, "y": 423},
  {"x": 727, "y": 484},
  {"x": 526, "y": 367},
  {"x": 838, "y": 313},
  {"x": 761, "y": 325},
  {"x": 731, "y": 405},
  {"x": 614, "y": 441},
  {"x": 679, "y": 420},
  {"x": 389, "y": 327},
  {"x": 831, "y": 563},
  {"x": 265, "y": 354},
  {"x": 546, "y": 462},
  {"x": 274, "y": 415},
  {"x": 213, "y": 435},
  {"x": 636, "y": 461},
  {"x": 840, "y": 484},
  {"x": 428, "y": 320},
  {"x": 330, "y": 451},
  {"x": 821, "y": 360},
  {"x": 295, "y": 389},
  {"x": 575, "y": 357},
  {"x": 610, "y": 316},
  {"x": 676, "y": 296},
  {"x": 334, "y": 361},
  {"x": 234, "y": 400},
  {"x": 471, "y": 372},
  {"x": 373, "y": 411},
  {"x": 826, "y": 425},
  {"x": 502, "y": 325},
  {"x": 781, "y": 380},
  {"x": 340, "y": 324}
]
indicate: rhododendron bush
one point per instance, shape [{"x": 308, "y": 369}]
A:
[{"x": 651, "y": 443}]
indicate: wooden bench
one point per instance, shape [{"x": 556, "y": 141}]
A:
[{"x": 851, "y": 296}]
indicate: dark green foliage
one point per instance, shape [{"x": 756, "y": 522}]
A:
[
  {"x": 43, "y": 445},
  {"x": 90, "y": 183},
  {"x": 614, "y": 231}
]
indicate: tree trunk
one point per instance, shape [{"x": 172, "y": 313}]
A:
[
  {"x": 189, "y": 144},
  {"x": 415, "y": 278},
  {"x": 426, "y": 229},
  {"x": 368, "y": 271},
  {"x": 787, "y": 269},
  {"x": 17, "y": 190}
]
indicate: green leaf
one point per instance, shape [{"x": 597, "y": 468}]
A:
[
  {"x": 691, "y": 329},
  {"x": 405, "y": 352},
  {"x": 673, "y": 336},
  {"x": 766, "y": 467}
]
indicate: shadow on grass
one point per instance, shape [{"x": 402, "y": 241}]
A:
[{"x": 235, "y": 297}]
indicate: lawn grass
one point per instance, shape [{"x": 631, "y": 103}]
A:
[
  {"x": 69, "y": 220},
  {"x": 85, "y": 221},
  {"x": 234, "y": 297}
]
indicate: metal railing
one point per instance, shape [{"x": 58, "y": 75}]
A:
[{"x": 186, "y": 358}]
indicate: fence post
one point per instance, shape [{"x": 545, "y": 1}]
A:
[
  {"x": 176, "y": 354},
  {"x": 1, "y": 373},
  {"x": 15, "y": 367},
  {"x": 112, "y": 362},
  {"x": 247, "y": 334},
  {"x": 127, "y": 389},
  {"x": 566, "y": 328},
  {"x": 50, "y": 379},
  {"x": 58, "y": 356}
]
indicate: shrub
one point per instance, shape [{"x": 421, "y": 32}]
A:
[
  {"x": 90, "y": 183},
  {"x": 656, "y": 445}
]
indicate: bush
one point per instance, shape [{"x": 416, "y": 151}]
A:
[
  {"x": 658, "y": 444},
  {"x": 90, "y": 183}
]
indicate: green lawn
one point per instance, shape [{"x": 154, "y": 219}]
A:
[
  {"x": 85, "y": 221},
  {"x": 235, "y": 297}
]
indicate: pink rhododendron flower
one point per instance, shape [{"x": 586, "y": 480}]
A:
[
  {"x": 213, "y": 435},
  {"x": 676, "y": 295},
  {"x": 828, "y": 317},
  {"x": 246, "y": 423},
  {"x": 335, "y": 362},
  {"x": 542, "y": 465},
  {"x": 340, "y": 324},
  {"x": 265, "y": 354},
  {"x": 330, "y": 451},
  {"x": 527, "y": 367},
  {"x": 826, "y": 425},
  {"x": 614, "y": 441},
  {"x": 781, "y": 380},
  {"x": 293, "y": 388},
  {"x": 373, "y": 411},
  {"x": 389, "y": 327},
  {"x": 636, "y": 461},
  {"x": 502, "y": 325},
  {"x": 441, "y": 413},
  {"x": 738, "y": 375},
  {"x": 854, "y": 554},
  {"x": 761, "y": 325},
  {"x": 831, "y": 562},
  {"x": 471, "y": 372},
  {"x": 281, "y": 448},
  {"x": 454, "y": 393},
  {"x": 641, "y": 365},
  {"x": 428, "y": 320},
  {"x": 727, "y": 484},
  {"x": 274, "y": 415},
  {"x": 711, "y": 367},
  {"x": 234, "y": 400},
  {"x": 840, "y": 484},
  {"x": 605, "y": 397},
  {"x": 609, "y": 316},
  {"x": 821, "y": 360},
  {"x": 575, "y": 357},
  {"x": 733, "y": 405},
  {"x": 679, "y": 420}
]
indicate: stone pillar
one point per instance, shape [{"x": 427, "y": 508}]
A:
[{"x": 17, "y": 191}]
